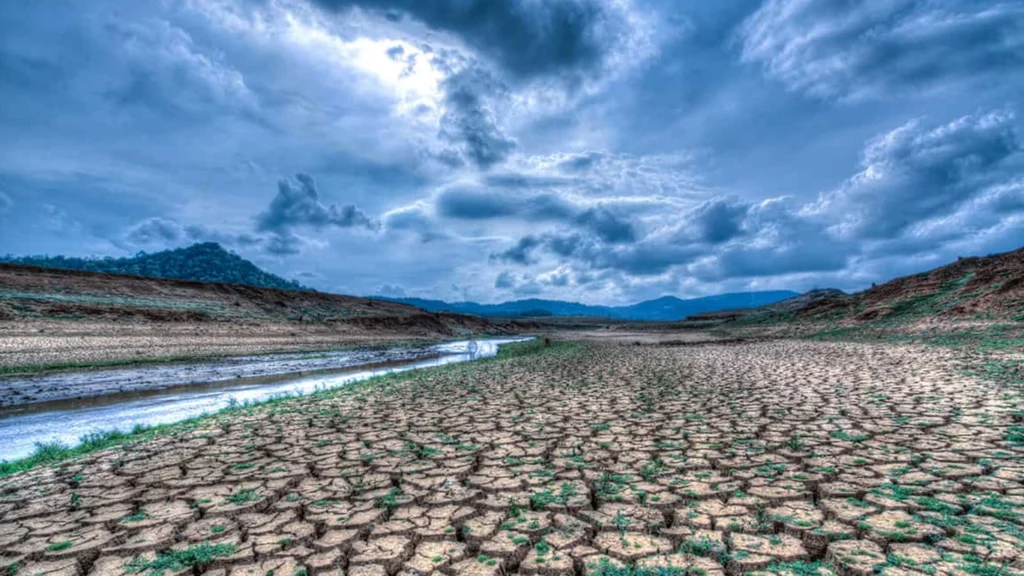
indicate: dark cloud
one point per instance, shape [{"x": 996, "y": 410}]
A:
[
  {"x": 878, "y": 47},
  {"x": 391, "y": 290},
  {"x": 297, "y": 204},
  {"x": 469, "y": 120},
  {"x": 414, "y": 220},
  {"x": 516, "y": 180},
  {"x": 504, "y": 280},
  {"x": 520, "y": 285},
  {"x": 284, "y": 244},
  {"x": 565, "y": 245},
  {"x": 615, "y": 244},
  {"x": 579, "y": 162},
  {"x": 606, "y": 226},
  {"x": 521, "y": 252},
  {"x": 702, "y": 238},
  {"x": 719, "y": 220},
  {"x": 156, "y": 230},
  {"x": 527, "y": 38},
  {"x": 782, "y": 241},
  {"x": 651, "y": 256},
  {"x": 919, "y": 172},
  {"x": 472, "y": 203},
  {"x": 559, "y": 43}
]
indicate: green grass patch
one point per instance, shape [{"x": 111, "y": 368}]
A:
[
  {"x": 54, "y": 452},
  {"x": 175, "y": 560},
  {"x": 242, "y": 497},
  {"x": 605, "y": 568}
]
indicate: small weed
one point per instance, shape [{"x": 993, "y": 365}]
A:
[
  {"x": 242, "y": 496},
  {"x": 176, "y": 560}
]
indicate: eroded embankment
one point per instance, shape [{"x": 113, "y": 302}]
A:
[{"x": 790, "y": 457}]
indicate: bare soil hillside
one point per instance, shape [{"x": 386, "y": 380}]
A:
[
  {"x": 56, "y": 318},
  {"x": 973, "y": 292}
]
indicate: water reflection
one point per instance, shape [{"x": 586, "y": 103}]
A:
[{"x": 68, "y": 420}]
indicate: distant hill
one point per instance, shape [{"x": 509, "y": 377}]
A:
[
  {"x": 667, "y": 308},
  {"x": 206, "y": 262}
]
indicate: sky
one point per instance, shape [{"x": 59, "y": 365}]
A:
[{"x": 602, "y": 151}]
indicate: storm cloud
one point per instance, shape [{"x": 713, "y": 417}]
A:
[
  {"x": 474, "y": 203},
  {"x": 918, "y": 172},
  {"x": 528, "y": 38},
  {"x": 602, "y": 151},
  {"x": 470, "y": 123},
  {"x": 297, "y": 204},
  {"x": 915, "y": 181}
]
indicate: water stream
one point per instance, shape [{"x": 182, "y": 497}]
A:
[{"x": 67, "y": 420}]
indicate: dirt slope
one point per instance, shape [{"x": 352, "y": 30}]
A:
[
  {"x": 57, "y": 317},
  {"x": 981, "y": 289},
  {"x": 989, "y": 286}
]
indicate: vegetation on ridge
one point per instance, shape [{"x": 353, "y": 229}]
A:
[{"x": 206, "y": 262}]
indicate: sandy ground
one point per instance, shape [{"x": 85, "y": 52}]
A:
[
  {"x": 56, "y": 342},
  {"x": 706, "y": 460},
  {"x": 642, "y": 337}
]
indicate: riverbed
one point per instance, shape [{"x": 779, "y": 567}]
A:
[{"x": 210, "y": 386}]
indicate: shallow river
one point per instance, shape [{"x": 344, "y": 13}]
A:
[{"x": 21, "y": 427}]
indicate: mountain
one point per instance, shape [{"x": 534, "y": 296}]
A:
[
  {"x": 672, "y": 308},
  {"x": 209, "y": 262},
  {"x": 206, "y": 262},
  {"x": 666, "y": 308}
]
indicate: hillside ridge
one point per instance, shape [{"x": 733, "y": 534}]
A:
[
  {"x": 980, "y": 288},
  {"x": 202, "y": 262}
]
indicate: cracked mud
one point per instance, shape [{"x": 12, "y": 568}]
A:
[{"x": 789, "y": 458}]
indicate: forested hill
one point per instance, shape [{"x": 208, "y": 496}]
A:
[{"x": 207, "y": 262}]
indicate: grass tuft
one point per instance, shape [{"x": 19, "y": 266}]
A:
[{"x": 176, "y": 560}]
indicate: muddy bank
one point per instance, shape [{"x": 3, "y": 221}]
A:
[{"x": 17, "y": 391}]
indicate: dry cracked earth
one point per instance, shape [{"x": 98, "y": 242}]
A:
[{"x": 790, "y": 458}]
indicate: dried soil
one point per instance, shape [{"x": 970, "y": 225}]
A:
[{"x": 713, "y": 460}]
